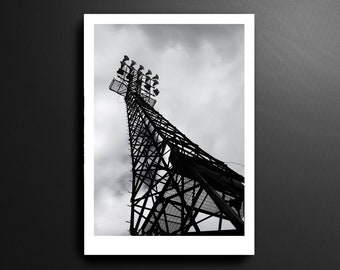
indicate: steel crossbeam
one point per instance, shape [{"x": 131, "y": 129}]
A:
[{"x": 177, "y": 188}]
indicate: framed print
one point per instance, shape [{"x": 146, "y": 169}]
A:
[{"x": 169, "y": 134}]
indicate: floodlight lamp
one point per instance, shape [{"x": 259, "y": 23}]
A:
[
  {"x": 120, "y": 72},
  {"x": 140, "y": 68},
  {"x": 147, "y": 87},
  {"x": 156, "y": 91},
  {"x": 155, "y": 82},
  {"x": 149, "y": 72},
  {"x": 122, "y": 64},
  {"x": 126, "y": 58},
  {"x": 133, "y": 63},
  {"x": 155, "y": 77},
  {"x": 129, "y": 76}
]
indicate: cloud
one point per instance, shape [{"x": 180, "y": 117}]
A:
[{"x": 201, "y": 83}]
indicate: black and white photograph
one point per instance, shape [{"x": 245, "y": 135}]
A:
[{"x": 169, "y": 134}]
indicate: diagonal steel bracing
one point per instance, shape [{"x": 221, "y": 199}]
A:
[
  {"x": 172, "y": 191},
  {"x": 177, "y": 188}
]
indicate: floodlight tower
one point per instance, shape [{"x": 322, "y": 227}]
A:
[{"x": 177, "y": 188}]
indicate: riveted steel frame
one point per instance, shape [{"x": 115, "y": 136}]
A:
[
  {"x": 164, "y": 202},
  {"x": 176, "y": 186}
]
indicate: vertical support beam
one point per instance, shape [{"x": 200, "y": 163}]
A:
[
  {"x": 224, "y": 207},
  {"x": 140, "y": 112}
]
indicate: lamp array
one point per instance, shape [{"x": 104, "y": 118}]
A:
[{"x": 129, "y": 74}]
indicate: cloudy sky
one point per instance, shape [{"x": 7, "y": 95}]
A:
[{"x": 201, "y": 71}]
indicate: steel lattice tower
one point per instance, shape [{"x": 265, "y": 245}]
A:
[{"x": 177, "y": 188}]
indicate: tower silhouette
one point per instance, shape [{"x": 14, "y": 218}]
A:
[{"x": 177, "y": 188}]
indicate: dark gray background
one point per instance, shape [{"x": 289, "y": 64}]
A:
[{"x": 297, "y": 134}]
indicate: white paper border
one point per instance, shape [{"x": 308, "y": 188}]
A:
[{"x": 167, "y": 245}]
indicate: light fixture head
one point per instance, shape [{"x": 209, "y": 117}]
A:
[
  {"x": 133, "y": 63},
  {"x": 140, "y": 76},
  {"x": 129, "y": 76},
  {"x": 126, "y": 58},
  {"x": 120, "y": 72},
  {"x": 156, "y": 91},
  {"x": 149, "y": 72},
  {"x": 140, "y": 68},
  {"x": 155, "y": 77}
]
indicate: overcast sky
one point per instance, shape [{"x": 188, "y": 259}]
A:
[{"x": 201, "y": 71}]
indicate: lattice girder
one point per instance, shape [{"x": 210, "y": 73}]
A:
[{"x": 175, "y": 182}]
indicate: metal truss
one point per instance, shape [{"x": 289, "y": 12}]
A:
[{"x": 177, "y": 188}]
